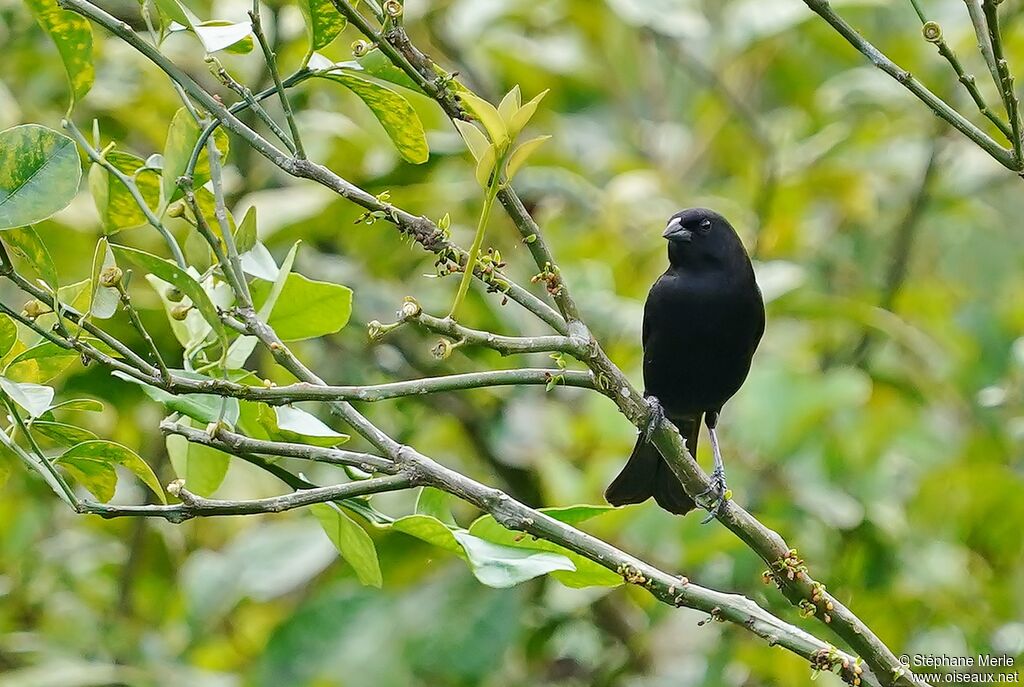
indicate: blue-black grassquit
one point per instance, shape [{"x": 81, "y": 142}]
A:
[{"x": 702, "y": 322}]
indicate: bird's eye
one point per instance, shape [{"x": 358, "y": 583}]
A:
[{"x": 704, "y": 227}]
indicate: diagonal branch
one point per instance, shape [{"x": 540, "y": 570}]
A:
[{"x": 940, "y": 107}]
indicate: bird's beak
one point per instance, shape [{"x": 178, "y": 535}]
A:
[{"x": 675, "y": 230}]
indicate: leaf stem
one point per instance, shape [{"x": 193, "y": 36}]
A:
[
  {"x": 133, "y": 189},
  {"x": 271, "y": 60},
  {"x": 478, "y": 239}
]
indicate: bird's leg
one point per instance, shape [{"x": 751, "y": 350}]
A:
[
  {"x": 718, "y": 487},
  {"x": 655, "y": 418}
]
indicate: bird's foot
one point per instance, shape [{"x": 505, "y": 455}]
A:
[
  {"x": 718, "y": 492},
  {"x": 655, "y": 418}
]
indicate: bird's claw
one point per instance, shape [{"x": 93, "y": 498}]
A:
[
  {"x": 655, "y": 418},
  {"x": 719, "y": 492}
]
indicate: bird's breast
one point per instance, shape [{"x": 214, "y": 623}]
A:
[{"x": 700, "y": 336}]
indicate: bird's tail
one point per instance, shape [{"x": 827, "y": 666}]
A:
[{"x": 646, "y": 474}]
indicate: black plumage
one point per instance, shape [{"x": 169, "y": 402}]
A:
[{"x": 703, "y": 320}]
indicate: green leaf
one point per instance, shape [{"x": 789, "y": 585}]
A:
[
  {"x": 172, "y": 274},
  {"x": 488, "y": 116},
  {"x": 105, "y": 299},
  {"x": 175, "y": 11},
  {"x": 182, "y": 136},
  {"x": 323, "y": 23},
  {"x": 72, "y": 35},
  {"x": 475, "y": 139},
  {"x": 495, "y": 565},
  {"x": 285, "y": 423},
  {"x": 62, "y": 433},
  {"x": 245, "y": 237},
  {"x": 39, "y": 174},
  {"x": 114, "y": 202},
  {"x": 521, "y": 154},
  {"x": 8, "y": 335},
  {"x": 586, "y": 574},
  {"x": 393, "y": 111},
  {"x": 203, "y": 468},
  {"x": 379, "y": 66},
  {"x": 283, "y": 273},
  {"x": 431, "y": 530},
  {"x": 203, "y": 407},
  {"x": 98, "y": 476},
  {"x": 351, "y": 540},
  {"x": 34, "y": 398},
  {"x": 306, "y": 309},
  {"x": 25, "y": 242},
  {"x": 434, "y": 502},
  {"x": 84, "y": 404},
  {"x": 109, "y": 453},
  {"x": 504, "y": 566},
  {"x": 40, "y": 363},
  {"x": 218, "y": 34}
]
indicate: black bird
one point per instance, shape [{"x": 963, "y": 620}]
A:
[{"x": 702, "y": 322}]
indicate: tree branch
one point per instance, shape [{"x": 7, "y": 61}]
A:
[
  {"x": 940, "y": 107},
  {"x": 194, "y": 506}
]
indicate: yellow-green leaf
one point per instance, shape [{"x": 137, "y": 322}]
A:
[
  {"x": 351, "y": 540},
  {"x": 521, "y": 154},
  {"x": 203, "y": 468},
  {"x": 393, "y": 111},
  {"x": 88, "y": 456},
  {"x": 39, "y": 174},
  {"x": 524, "y": 114},
  {"x": 323, "y": 23},
  {"x": 509, "y": 105},
  {"x": 40, "y": 363},
  {"x": 182, "y": 136},
  {"x": 488, "y": 115},
  {"x": 115, "y": 204},
  {"x": 25, "y": 242},
  {"x": 485, "y": 166},
  {"x": 306, "y": 309},
  {"x": 8, "y": 335},
  {"x": 475, "y": 139},
  {"x": 172, "y": 274},
  {"x": 72, "y": 35}
]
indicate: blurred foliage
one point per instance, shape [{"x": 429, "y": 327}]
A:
[{"x": 885, "y": 444}]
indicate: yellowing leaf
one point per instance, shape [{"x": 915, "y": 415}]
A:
[
  {"x": 72, "y": 35},
  {"x": 393, "y": 111},
  {"x": 39, "y": 174},
  {"x": 87, "y": 455}
]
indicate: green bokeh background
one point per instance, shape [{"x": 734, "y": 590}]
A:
[{"x": 885, "y": 444}]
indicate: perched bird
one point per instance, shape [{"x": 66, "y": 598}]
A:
[{"x": 702, "y": 322}]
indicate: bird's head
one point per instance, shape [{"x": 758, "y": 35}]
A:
[{"x": 701, "y": 237}]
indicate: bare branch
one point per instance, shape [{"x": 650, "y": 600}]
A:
[
  {"x": 194, "y": 506},
  {"x": 940, "y": 107}
]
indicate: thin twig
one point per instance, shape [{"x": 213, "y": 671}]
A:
[
  {"x": 939, "y": 106},
  {"x": 271, "y": 60},
  {"x": 194, "y": 506},
  {"x": 253, "y": 104},
  {"x": 133, "y": 189},
  {"x": 133, "y": 315},
  {"x": 1006, "y": 87},
  {"x": 933, "y": 34}
]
